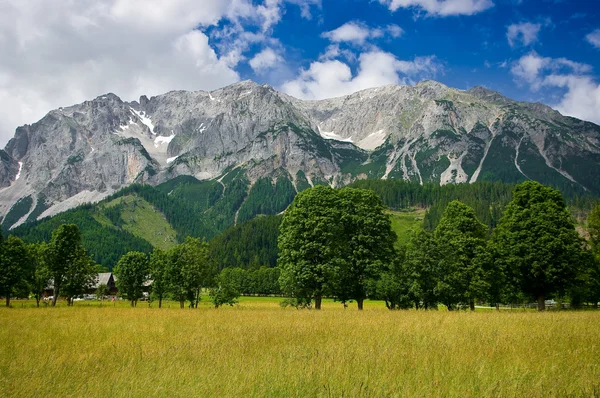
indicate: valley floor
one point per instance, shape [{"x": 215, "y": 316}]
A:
[{"x": 260, "y": 349}]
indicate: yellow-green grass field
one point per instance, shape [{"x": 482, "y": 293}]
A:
[{"x": 260, "y": 349}]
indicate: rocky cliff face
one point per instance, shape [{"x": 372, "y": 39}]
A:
[{"x": 423, "y": 133}]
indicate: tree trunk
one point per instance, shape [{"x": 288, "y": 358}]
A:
[
  {"x": 497, "y": 306},
  {"x": 7, "y": 300},
  {"x": 159, "y": 302},
  {"x": 318, "y": 302},
  {"x": 181, "y": 303},
  {"x": 132, "y": 303},
  {"x": 55, "y": 296},
  {"x": 37, "y": 301},
  {"x": 541, "y": 303},
  {"x": 472, "y": 305},
  {"x": 360, "y": 303}
]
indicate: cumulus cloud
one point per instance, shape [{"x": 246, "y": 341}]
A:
[
  {"x": 61, "y": 52},
  {"x": 581, "y": 98},
  {"x": 441, "y": 8},
  {"x": 525, "y": 32},
  {"x": 264, "y": 60},
  {"x": 333, "y": 78},
  {"x": 358, "y": 33},
  {"x": 594, "y": 38}
]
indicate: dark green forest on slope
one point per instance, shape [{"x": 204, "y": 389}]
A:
[{"x": 240, "y": 220}]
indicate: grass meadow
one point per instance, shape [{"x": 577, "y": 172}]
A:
[{"x": 260, "y": 349}]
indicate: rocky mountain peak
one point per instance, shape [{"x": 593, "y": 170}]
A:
[{"x": 423, "y": 133}]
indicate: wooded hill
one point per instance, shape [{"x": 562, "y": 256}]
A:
[{"x": 241, "y": 220}]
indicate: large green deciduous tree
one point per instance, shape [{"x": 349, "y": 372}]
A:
[
  {"x": 189, "y": 271},
  {"x": 537, "y": 244},
  {"x": 159, "y": 273},
  {"x": 70, "y": 267},
  {"x": 460, "y": 236},
  {"x": 15, "y": 266},
  {"x": 594, "y": 229},
  {"x": 421, "y": 266},
  {"x": 593, "y": 274},
  {"x": 367, "y": 244},
  {"x": 310, "y": 244},
  {"x": 40, "y": 279},
  {"x": 131, "y": 274}
]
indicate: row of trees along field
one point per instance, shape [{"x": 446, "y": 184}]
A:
[
  {"x": 62, "y": 263},
  {"x": 63, "y": 266},
  {"x": 339, "y": 243}
]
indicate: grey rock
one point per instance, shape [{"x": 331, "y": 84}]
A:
[{"x": 423, "y": 133}]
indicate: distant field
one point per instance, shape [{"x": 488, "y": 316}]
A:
[
  {"x": 406, "y": 223},
  {"x": 260, "y": 349}
]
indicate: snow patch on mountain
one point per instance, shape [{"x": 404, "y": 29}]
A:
[
  {"x": 144, "y": 119},
  {"x": 330, "y": 135},
  {"x": 161, "y": 140},
  {"x": 19, "y": 172}
]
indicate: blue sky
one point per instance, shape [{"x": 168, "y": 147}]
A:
[
  {"x": 62, "y": 52},
  {"x": 469, "y": 49}
]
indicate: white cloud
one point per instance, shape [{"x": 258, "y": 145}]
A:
[
  {"x": 532, "y": 67},
  {"x": 441, "y": 8},
  {"x": 358, "y": 33},
  {"x": 582, "y": 98},
  {"x": 334, "y": 51},
  {"x": 594, "y": 38},
  {"x": 57, "y": 53},
  {"x": 264, "y": 60},
  {"x": 525, "y": 32},
  {"x": 62, "y": 52},
  {"x": 333, "y": 78},
  {"x": 582, "y": 94},
  {"x": 305, "y": 6}
]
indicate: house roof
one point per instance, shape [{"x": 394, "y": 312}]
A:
[{"x": 103, "y": 279}]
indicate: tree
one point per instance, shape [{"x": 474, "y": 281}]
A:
[
  {"x": 102, "y": 291},
  {"x": 368, "y": 243},
  {"x": 40, "y": 279},
  {"x": 593, "y": 273},
  {"x": 537, "y": 244},
  {"x": 593, "y": 228},
  {"x": 309, "y": 244},
  {"x": 190, "y": 270},
  {"x": 393, "y": 285},
  {"x": 224, "y": 292},
  {"x": 15, "y": 266},
  {"x": 159, "y": 273},
  {"x": 68, "y": 263},
  {"x": 80, "y": 277},
  {"x": 421, "y": 266},
  {"x": 460, "y": 236},
  {"x": 131, "y": 274}
]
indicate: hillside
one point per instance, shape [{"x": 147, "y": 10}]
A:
[{"x": 142, "y": 216}]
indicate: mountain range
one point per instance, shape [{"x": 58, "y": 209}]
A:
[{"x": 263, "y": 140}]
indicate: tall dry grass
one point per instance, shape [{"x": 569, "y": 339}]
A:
[{"x": 259, "y": 349}]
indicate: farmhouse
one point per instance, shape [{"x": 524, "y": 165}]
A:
[{"x": 105, "y": 278}]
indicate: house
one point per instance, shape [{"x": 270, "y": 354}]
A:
[{"x": 105, "y": 278}]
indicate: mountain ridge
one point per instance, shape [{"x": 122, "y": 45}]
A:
[{"x": 423, "y": 133}]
